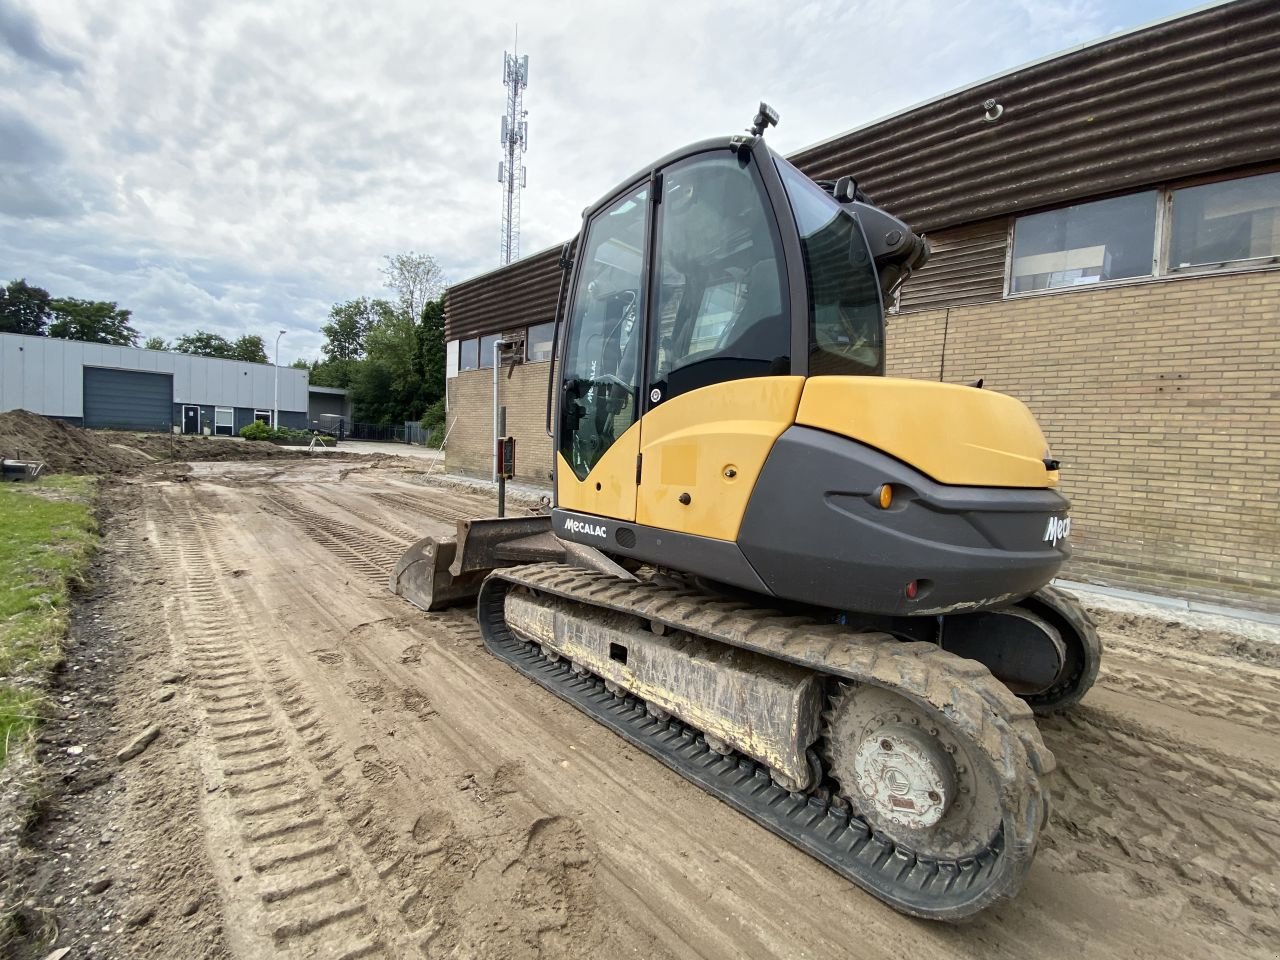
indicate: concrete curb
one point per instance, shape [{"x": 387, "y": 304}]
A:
[{"x": 1171, "y": 603}]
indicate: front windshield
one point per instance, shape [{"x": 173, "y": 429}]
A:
[{"x": 846, "y": 319}]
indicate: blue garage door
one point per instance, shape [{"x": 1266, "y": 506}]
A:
[{"x": 128, "y": 399}]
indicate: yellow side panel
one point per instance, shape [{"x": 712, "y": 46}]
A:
[
  {"x": 954, "y": 434},
  {"x": 711, "y": 444},
  {"x": 610, "y": 488}
]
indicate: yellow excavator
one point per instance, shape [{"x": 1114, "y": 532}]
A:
[{"x": 819, "y": 593}]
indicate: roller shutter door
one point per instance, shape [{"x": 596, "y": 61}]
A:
[{"x": 128, "y": 399}]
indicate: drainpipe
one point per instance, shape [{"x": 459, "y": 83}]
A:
[{"x": 497, "y": 353}]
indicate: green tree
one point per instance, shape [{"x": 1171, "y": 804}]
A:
[
  {"x": 155, "y": 343},
  {"x": 24, "y": 308},
  {"x": 348, "y": 325},
  {"x": 332, "y": 373},
  {"x": 301, "y": 364},
  {"x": 431, "y": 347},
  {"x": 92, "y": 321},
  {"x": 386, "y": 387},
  {"x": 250, "y": 349},
  {"x": 205, "y": 344},
  {"x": 416, "y": 278}
]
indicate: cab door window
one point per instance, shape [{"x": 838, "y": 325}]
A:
[
  {"x": 721, "y": 285},
  {"x": 600, "y": 380}
]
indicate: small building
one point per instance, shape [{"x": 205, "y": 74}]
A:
[
  {"x": 126, "y": 388},
  {"x": 1105, "y": 226}
]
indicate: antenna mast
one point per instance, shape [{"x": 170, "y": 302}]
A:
[{"x": 515, "y": 140}]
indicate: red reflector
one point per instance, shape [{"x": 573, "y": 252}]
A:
[{"x": 912, "y": 589}]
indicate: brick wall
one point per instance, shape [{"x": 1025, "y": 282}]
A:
[
  {"x": 523, "y": 390},
  {"x": 1161, "y": 399}
]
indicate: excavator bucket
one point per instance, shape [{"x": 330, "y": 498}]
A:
[{"x": 438, "y": 572}]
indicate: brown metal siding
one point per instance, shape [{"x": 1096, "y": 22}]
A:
[
  {"x": 521, "y": 294},
  {"x": 966, "y": 266},
  {"x": 1188, "y": 96}
]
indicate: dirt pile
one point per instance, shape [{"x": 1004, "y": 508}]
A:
[
  {"x": 160, "y": 446},
  {"x": 63, "y": 448},
  {"x": 68, "y": 449}
]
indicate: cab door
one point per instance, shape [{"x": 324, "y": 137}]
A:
[
  {"x": 719, "y": 388},
  {"x": 599, "y": 396}
]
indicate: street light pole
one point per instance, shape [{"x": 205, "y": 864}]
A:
[{"x": 275, "y": 408}]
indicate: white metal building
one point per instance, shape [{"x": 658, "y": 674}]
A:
[{"x": 97, "y": 385}]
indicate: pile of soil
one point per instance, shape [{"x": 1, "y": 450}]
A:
[
  {"x": 159, "y": 446},
  {"x": 68, "y": 449},
  {"x": 62, "y": 447}
]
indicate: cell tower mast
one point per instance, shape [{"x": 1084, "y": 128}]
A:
[{"x": 515, "y": 140}]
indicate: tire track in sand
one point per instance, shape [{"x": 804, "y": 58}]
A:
[
  {"x": 329, "y": 880},
  {"x": 1193, "y": 834}
]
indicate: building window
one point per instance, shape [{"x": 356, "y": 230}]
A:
[
  {"x": 486, "y": 351},
  {"x": 538, "y": 343},
  {"x": 262, "y": 416},
  {"x": 1085, "y": 244},
  {"x": 470, "y": 354},
  {"x": 1226, "y": 224},
  {"x": 224, "y": 421}
]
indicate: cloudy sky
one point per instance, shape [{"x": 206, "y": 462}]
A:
[{"x": 240, "y": 166}]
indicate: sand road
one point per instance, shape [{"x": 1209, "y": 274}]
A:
[{"x": 341, "y": 775}]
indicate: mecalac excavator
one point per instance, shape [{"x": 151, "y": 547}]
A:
[{"x": 819, "y": 593}]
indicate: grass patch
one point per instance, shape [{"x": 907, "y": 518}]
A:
[{"x": 47, "y": 536}]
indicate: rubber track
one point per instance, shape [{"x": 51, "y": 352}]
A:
[
  {"x": 977, "y": 706},
  {"x": 1078, "y": 622}
]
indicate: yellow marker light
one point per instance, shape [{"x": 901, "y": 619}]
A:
[{"x": 886, "y": 496}]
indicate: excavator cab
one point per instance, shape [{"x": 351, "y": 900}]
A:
[{"x": 723, "y": 409}]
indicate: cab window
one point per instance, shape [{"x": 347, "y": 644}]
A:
[
  {"x": 719, "y": 306},
  {"x": 846, "y": 317},
  {"x": 600, "y": 378}
]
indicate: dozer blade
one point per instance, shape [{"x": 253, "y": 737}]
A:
[
  {"x": 422, "y": 575},
  {"x": 438, "y": 572}
]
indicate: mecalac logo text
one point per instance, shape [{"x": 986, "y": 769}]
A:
[
  {"x": 590, "y": 529},
  {"x": 1059, "y": 528}
]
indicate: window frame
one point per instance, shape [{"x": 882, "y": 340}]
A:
[
  {"x": 481, "y": 352},
  {"x": 528, "y": 341},
  {"x": 1162, "y": 240},
  {"x": 462, "y": 344},
  {"x": 782, "y": 234}
]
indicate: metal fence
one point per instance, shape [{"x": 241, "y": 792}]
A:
[{"x": 409, "y": 432}]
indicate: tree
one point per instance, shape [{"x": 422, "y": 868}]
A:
[
  {"x": 24, "y": 308},
  {"x": 416, "y": 278},
  {"x": 91, "y": 321},
  {"x": 205, "y": 344},
  {"x": 431, "y": 347},
  {"x": 348, "y": 326},
  {"x": 250, "y": 349},
  {"x": 155, "y": 343},
  {"x": 301, "y": 364},
  {"x": 387, "y": 386}
]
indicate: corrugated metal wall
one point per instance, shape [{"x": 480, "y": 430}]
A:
[
  {"x": 44, "y": 375},
  {"x": 521, "y": 294},
  {"x": 966, "y": 266},
  {"x": 1189, "y": 96}
]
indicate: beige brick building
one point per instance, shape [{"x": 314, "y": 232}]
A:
[{"x": 1111, "y": 261}]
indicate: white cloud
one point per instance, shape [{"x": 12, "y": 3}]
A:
[{"x": 241, "y": 166}]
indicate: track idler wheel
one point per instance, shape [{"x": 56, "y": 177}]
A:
[{"x": 912, "y": 777}]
